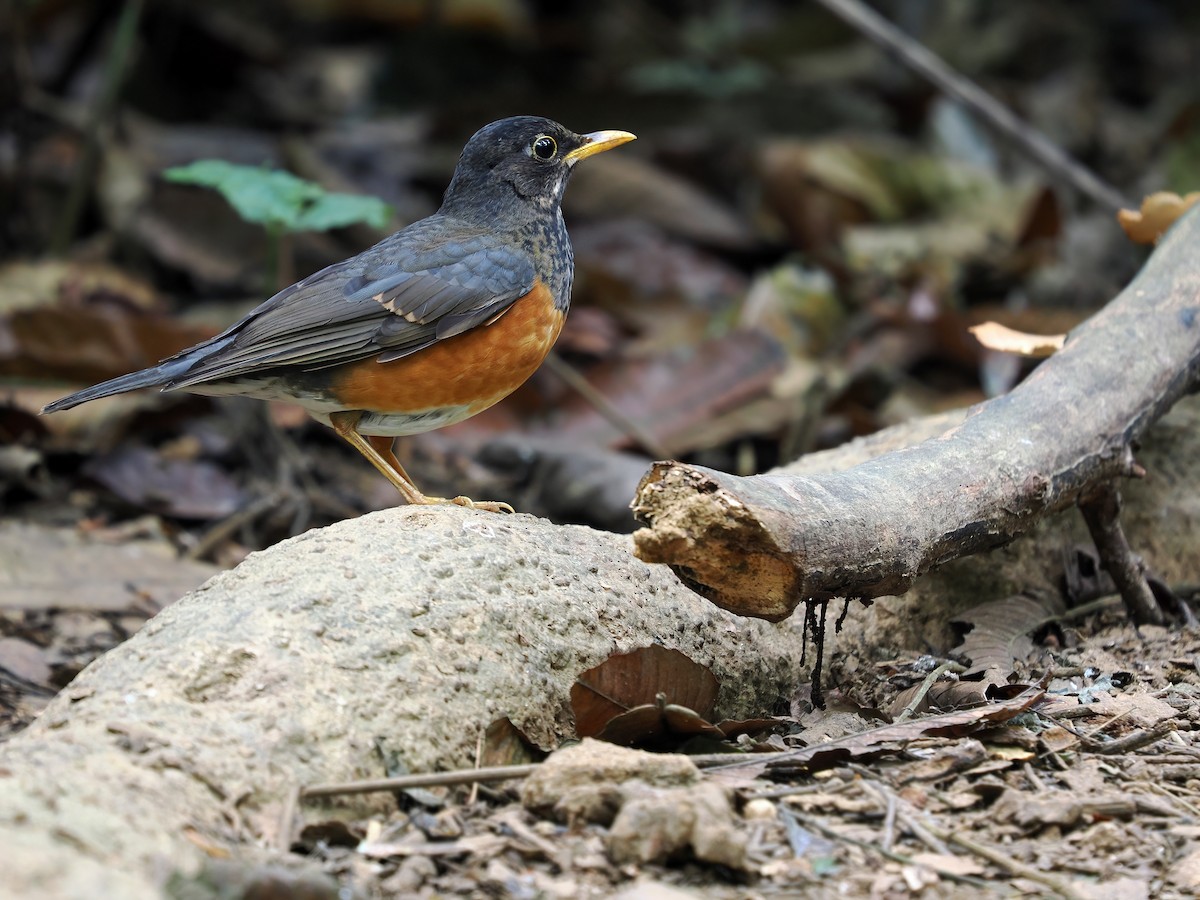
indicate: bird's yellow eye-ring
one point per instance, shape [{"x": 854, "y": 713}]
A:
[{"x": 544, "y": 146}]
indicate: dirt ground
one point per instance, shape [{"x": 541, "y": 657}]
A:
[
  {"x": 1083, "y": 784},
  {"x": 1090, "y": 793},
  {"x": 789, "y": 257}
]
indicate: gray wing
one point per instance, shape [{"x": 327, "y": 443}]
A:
[{"x": 403, "y": 294}]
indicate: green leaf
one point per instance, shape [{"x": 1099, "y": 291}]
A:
[
  {"x": 339, "y": 210},
  {"x": 279, "y": 200}
]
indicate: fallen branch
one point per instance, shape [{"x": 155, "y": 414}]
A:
[{"x": 759, "y": 546}]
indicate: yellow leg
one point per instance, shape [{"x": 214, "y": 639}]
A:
[{"x": 378, "y": 451}]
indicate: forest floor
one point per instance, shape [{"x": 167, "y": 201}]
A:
[{"x": 1086, "y": 784}]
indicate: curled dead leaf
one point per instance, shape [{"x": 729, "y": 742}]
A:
[
  {"x": 627, "y": 681},
  {"x": 1158, "y": 213},
  {"x": 999, "y": 337},
  {"x": 999, "y": 634}
]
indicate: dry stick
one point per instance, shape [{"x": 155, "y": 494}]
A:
[
  {"x": 889, "y": 822},
  {"x": 1017, "y": 868},
  {"x": 428, "y": 779},
  {"x": 760, "y": 545},
  {"x": 1038, "y": 784},
  {"x": 890, "y": 803},
  {"x": 923, "y": 690},
  {"x": 1172, "y": 792},
  {"x": 490, "y": 774},
  {"x": 885, "y": 794},
  {"x": 1092, "y": 735},
  {"x": 793, "y": 790},
  {"x": 287, "y": 818},
  {"x": 834, "y": 835},
  {"x": 217, "y": 534},
  {"x": 873, "y": 26},
  {"x": 1009, "y": 865},
  {"x": 474, "y": 794},
  {"x": 1131, "y": 742},
  {"x": 556, "y": 854},
  {"x": 1101, "y": 509},
  {"x": 605, "y": 407}
]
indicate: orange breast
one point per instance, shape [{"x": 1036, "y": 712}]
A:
[{"x": 475, "y": 369}]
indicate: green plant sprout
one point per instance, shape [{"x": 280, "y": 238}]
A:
[{"x": 280, "y": 202}]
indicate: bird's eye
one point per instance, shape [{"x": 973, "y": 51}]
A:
[{"x": 544, "y": 147}]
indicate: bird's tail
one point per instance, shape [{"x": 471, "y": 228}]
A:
[
  {"x": 163, "y": 376},
  {"x": 155, "y": 376}
]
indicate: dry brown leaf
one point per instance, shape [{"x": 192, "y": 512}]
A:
[
  {"x": 1000, "y": 634},
  {"x": 635, "y": 679},
  {"x": 483, "y": 844},
  {"x": 841, "y": 802},
  {"x": 958, "y": 757},
  {"x": 652, "y": 723},
  {"x": 888, "y": 738},
  {"x": 1158, "y": 213},
  {"x": 505, "y": 745},
  {"x": 688, "y": 400},
  {"x": 25, "y": 660},
  {"x": 186, "y": 488},
  {"x": 944, "y": 696},
  {"x": 995, "y": 336},
  {"x": 1056, "y": 739},
  {"x": 83, "y": 322}
]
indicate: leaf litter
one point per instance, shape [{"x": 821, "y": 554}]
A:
[{"x": 1092, "y": 792}]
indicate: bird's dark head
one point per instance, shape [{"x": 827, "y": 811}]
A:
[{"x": 520, "y": 164}]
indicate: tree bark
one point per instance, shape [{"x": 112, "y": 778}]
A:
[{"x": 758, "y": 546}]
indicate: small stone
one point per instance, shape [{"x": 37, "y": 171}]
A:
[
  {"x": 588, "y": 773},
  {"x": 409, "y": 876},
  {"x": 760, "y": 808}
]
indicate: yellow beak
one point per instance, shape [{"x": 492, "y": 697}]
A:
[{"x": 598, "y": 142}]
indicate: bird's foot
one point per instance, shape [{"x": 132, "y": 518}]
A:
[
  {"x": 486, "y": 505},
  {"x": 495, "y": 506}
]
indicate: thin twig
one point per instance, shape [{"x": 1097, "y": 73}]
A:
[
  {"x": 1010, "y": 865},
  {"x": 834, "y": 835},
  {"x": 1174, "y": 792},
  {"x": 217, "y": 534},
  {"x": 907, "y": 820},
  {"x": 799, "y": 790},
  {"x": 1131, "y": 742},
  {"x": 874, "y": 27},
  {"x": 923, "y": 690},
  {"x": 283, "y": 839},
  {"x": 428, "y": 779},
  {"x": 1091, "y": 735},
  {"x": 474, "y": 794},
  {"x": 556, "y": 854},
  {"x": 1038, "y": 784},
  {"x": 605, "y": 407},
  {"x": 491, "y": 774},
  {"x": 889, "y": 822}
]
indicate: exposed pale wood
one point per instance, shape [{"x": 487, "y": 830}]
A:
[{"x": 759, "y": 546}]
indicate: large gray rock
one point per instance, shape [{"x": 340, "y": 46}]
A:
[{"x": 417, "y": 626}]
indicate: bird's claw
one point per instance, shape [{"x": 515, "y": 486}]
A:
[{"x": 496, "y": 506}]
